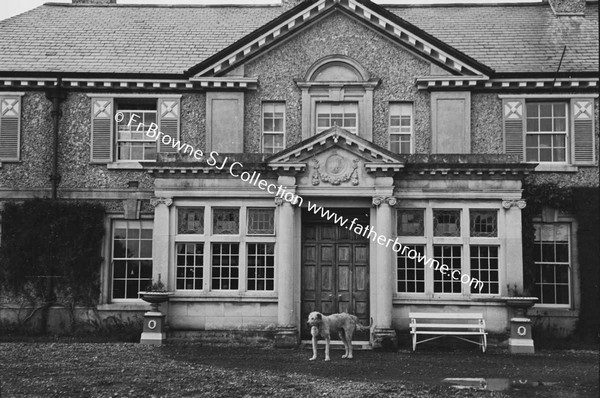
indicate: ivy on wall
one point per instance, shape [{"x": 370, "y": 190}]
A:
[
  {"x": 51, "y": 247},
  {"x": 583, "y": 204}
]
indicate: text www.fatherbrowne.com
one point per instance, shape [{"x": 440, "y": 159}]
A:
[{"x": 236, "y": 169}]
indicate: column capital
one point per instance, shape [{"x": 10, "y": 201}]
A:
[
  {"x": 154, "y": 202},
  {"x": 377, "y": 200},
  {"x": 507, "y": 204}
]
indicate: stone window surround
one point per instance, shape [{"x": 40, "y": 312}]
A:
[
  {"x": 464, "y": 239},
  {"x": 208, "y": 238},
  {"x": 360, "y": 91}
]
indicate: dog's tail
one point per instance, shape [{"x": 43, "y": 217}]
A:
[{"x": 360, "y": 326}]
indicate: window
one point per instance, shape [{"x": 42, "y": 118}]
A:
[
  {"x": 190, "y": 220},
  {"x": 189, "y": 264},
  {"x": 131, "y": 258},
  {"x": 484, "y": 223},
  {"x": 401, "y": 127},
  {"x": 261, "y": 266},
  {"x": 226, "y": 221},
  {"x": 132, "y": 141},
  {"x": 446, "y": 222},
  {"x": 464, "y": 240},
  {"x": 273, "y": 127},
  {"x": 236, "y": 254},
  {"x": 484, "y": 267},
  {"x": 410, "y": 271},
  {"x": 119, "y": 126},
  {"x": 451, "y": 255},
  {"x": 339, "y": 114},
  {"x": 546, "y": 139},
  {"x": 410, "y": 223},
  {"x": 261, "y": 221},
  {"x": 552, "y": 261},
  {"x": 225, "y": 266}
]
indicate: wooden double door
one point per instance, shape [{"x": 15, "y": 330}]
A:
[{"x": 335, "y": 269}]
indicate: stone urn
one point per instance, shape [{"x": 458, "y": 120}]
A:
[
  {"x": 520, "y": 304},
  {"x": 155, "y": 298}
]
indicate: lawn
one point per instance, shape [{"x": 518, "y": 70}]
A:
[{"x": 58, "y": 369}]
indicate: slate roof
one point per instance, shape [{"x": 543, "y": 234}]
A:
[{"x": 135, "y": 39}]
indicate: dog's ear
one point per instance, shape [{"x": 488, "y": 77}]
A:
[{"x": 318, "y": 316}]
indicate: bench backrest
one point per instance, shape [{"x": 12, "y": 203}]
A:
[{"x": 445, "y": 315}]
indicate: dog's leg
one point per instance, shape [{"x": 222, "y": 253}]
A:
[
  {"x": 327, "y": 348},
  {"x": 343, "y": 338},
  {"x": 314, "y": 331},
  {"x": 349, "y": 332}
]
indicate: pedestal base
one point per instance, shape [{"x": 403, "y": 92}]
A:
[
  {"x": 385, "y": 339},
  {"x": 286, "y": 337},
  {"x": 520, "y": 341},
  {"x": 154, "y": 328}
]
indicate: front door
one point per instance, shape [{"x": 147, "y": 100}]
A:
[{"x": 335, "y": 269}]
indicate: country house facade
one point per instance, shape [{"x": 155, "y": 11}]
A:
[{"x": 424, "y": 123}]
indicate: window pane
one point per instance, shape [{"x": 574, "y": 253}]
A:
[
  {"x": 446, "y": 222},
  {"x": 189, "y": 263},
  {"x": 484, "y": 223},
  {"x": 410, "y": 222},
  {"x": 225, "y": 266},
  {"x": 484, "y": 268},
  {"x": 451, "y": 257},
  {"x": 260, "y": 261},
  {"x": 190, "y": 220},
  {"x": 410, "y": 271},
  {"x": 552, "y": 260},
  {"x": 226, "y": 221},
  {"x": 261, "y": 221}
]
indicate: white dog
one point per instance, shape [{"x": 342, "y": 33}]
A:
[{"x": 323, "y": 325}]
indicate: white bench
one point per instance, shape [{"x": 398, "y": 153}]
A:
[{"x": 440, "y": 324}]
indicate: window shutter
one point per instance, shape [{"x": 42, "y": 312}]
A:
[
  {"x": 10, "y": 127},
  {"x": 168, "y": 123},
  {"x": 514, "y": 127},
  {"x": 584, "y": 148},
  {"x": 102, "y": 130}
]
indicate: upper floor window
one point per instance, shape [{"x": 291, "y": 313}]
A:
[
  {"x": 401, "y": 127},
  {"x": 132, "y": 141},
  {"x": 273, "y": 122},
  {"x": 125, "y": 142},
  {"x": 547, "y": 134},
  {"x": 344, "y": 115}
]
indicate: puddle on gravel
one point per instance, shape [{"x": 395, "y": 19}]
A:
[{"x": 494, "y": 384}]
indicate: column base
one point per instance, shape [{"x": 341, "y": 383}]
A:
[
  {"x": 385, "y": 339},
  {"x": 521, "y": 346},
  {"x": 286, "y": 337}
]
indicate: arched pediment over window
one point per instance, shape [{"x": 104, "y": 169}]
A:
[
  {"x": 337, "y": 90},
  {"x": 336, "y": 68}
]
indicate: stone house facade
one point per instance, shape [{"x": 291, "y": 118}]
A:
[{"x": 423, "y": 123}]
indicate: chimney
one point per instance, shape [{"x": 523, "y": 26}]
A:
[
  {"x": 567, "y": 7},
  {"x": 94, "y": 1}
]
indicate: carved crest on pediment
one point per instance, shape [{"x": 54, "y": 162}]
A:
[{"x": 335, "y": 170}]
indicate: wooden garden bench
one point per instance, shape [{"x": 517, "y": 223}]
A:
[{"x": 464, "y": 326}]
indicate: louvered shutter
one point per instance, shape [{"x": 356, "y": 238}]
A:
[
  {"x": 584, "y": 148},
  {"x": 514, "y": 126},
  {"x": 102, "y": 130},
  {"x": 10, "y": 127},
  {"x": 168, "y": 123}
]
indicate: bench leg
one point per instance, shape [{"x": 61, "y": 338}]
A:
[
  {"x": 483, "y": 342},
  {"x": 414, "y": 341}
]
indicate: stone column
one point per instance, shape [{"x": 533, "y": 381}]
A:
[
  {"x": 514, "y": 243},
  {"x": 384, "y": 336},
  {"x": 287, "y": 332}
]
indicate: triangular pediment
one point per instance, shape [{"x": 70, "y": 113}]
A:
[
  {"x": 375, "y": 17},
  {"x": 337, "y": 141}
]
